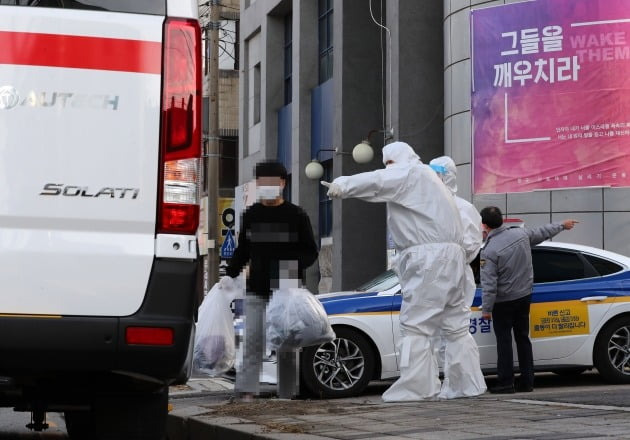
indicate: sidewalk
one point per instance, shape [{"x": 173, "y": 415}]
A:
[{"x": 488, "y": 417}]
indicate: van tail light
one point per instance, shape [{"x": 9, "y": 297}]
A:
[{"x": 180, "y": 149}]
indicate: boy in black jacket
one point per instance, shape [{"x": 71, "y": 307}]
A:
[{"x": 274, "y": 235}]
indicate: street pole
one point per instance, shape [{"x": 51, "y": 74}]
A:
[{"x": 212, "y": 174}]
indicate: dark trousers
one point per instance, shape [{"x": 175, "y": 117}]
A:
[{"x": 508, "y": 317}]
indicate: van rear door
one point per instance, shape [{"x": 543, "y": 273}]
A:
[{"x": 79, "y": 151}]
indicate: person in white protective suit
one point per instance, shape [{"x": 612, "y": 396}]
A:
[
  {"x": 471, "y": 223},
  {"x": 427, "y": 232},
  {"x": 471, "y": 220}
]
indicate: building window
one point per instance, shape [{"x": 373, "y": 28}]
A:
[
  {"x": 325, "y": 40},
  {"x": 325, "y": 203},
  {"x": 228, "y": 162},
  {"x": 257, "y": 93},
  {"x": 237, "y": 43},
  {"x": 288, "y": 58}
]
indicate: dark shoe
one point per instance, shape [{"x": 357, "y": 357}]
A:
[
  {"x": 502, "y": 390},
  {"x": 522, "y": 387}
]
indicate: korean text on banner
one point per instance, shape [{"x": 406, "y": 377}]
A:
[{"x": 550, "y": 95}]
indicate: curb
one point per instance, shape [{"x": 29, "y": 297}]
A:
[{"x": 191, "y": 424}]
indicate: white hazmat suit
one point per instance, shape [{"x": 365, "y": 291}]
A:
[
  {"x": 427, "y": 232},
  {"x": 471, "y": 223}
]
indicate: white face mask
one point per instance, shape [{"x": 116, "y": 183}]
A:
[{"x": 268, "y": 192}]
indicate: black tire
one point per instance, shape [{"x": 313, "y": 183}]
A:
[
  {"x": 133, "y": 415},
  {"x": 611, "y": 354},
  {"x": 79, "y": 424},
  {"x": 353, "y": 371},
  {"x": 570, "y": 372}
]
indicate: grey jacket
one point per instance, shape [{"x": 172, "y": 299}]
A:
[{"x": 506, "y": 263}]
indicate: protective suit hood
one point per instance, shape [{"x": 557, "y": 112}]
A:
[
  {"x": 450, "y": 177},
  {"x": 401, "y": 153}
]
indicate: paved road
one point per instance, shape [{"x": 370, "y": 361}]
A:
[
  {"x": 585, "y": 389},
  {"x": 559, "y": 408},
  {"x": 13, "y": 426}
]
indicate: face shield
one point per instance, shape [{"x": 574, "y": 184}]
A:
[{"x": 448, "y": 172}]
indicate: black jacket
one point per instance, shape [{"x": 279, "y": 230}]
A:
[{"x": 270, "y": 234}]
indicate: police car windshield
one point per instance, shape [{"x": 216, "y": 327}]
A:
[{"x": 384, "y": 281}]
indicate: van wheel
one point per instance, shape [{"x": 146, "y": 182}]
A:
[
  {"x": 138, "y": 416},
  {"x": 79, "y": 424},
  {"x": 611, "y": 354}
]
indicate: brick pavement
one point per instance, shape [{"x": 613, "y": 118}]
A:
[{"x": 488, "y": 417}]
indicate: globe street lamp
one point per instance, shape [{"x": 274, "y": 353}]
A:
[{"x": 361, "y": 153}]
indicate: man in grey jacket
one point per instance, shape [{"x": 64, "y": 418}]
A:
[{"x": 506, "y": 281}]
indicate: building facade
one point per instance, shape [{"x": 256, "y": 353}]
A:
[
  {"x": 228, "y": 86},
  {"x": 321, "y": 75},
  {"x": 604, "y": 213},
  {"x": 315, "y": 79}
]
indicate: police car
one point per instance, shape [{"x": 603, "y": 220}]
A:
[{"x": 580, "y": 319}]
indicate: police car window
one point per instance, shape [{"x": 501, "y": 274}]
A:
[
  {"x": 384, "y": 281},
  {"x": 155, "y": 7},
  {"x": 552, "y": 266},
  {"x": 604, "y": 267}
]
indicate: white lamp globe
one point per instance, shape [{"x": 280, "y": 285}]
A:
[
  {"x": 363, "y": 152},
  {"x": 314, "y": 170}
]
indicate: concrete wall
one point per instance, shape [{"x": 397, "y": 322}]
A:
[
  {"x": 305, "y": 78},
  {"x": 417, "y": 103},
  {"x": 228, "y": 100},
  {"x": 358, "y": 109},
  {"x": 604, "y": 213}
]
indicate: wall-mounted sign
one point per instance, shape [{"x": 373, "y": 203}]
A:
[{"x": 551, "y": 95}]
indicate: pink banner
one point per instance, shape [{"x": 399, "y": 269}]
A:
[{"x": 550, "y": 95}]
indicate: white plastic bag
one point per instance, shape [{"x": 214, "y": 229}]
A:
[
  {"x": 214, "y": 349},
  {"x": 296, "y": 318}
]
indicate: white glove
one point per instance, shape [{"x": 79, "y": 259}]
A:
[
  {"x": 334, "y": 190},
  {"x": 226, "y": 283}
]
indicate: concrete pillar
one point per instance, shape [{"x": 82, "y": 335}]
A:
[
  {"x": 305, "y": 192},
  {"x": 273, "y": 56},
  {"x": 418, "y": 74},
  {"x": 358, "y": 227}
]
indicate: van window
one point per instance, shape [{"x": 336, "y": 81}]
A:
[{"x": 154, "y": 7}]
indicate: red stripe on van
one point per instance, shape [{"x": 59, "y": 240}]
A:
[{"x": 31, "y": 49}]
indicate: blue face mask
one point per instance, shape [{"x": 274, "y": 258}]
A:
[{"x": 438, "y": 169}]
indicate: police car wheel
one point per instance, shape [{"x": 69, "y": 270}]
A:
[
  {"x": 340, "y": 368},
  {"x": 611, "y": 353}
]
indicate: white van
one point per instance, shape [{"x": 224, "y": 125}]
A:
[{"x": 100, "y": 145}]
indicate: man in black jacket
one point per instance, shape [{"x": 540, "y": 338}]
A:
[{"x": 275, "y": 235}]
